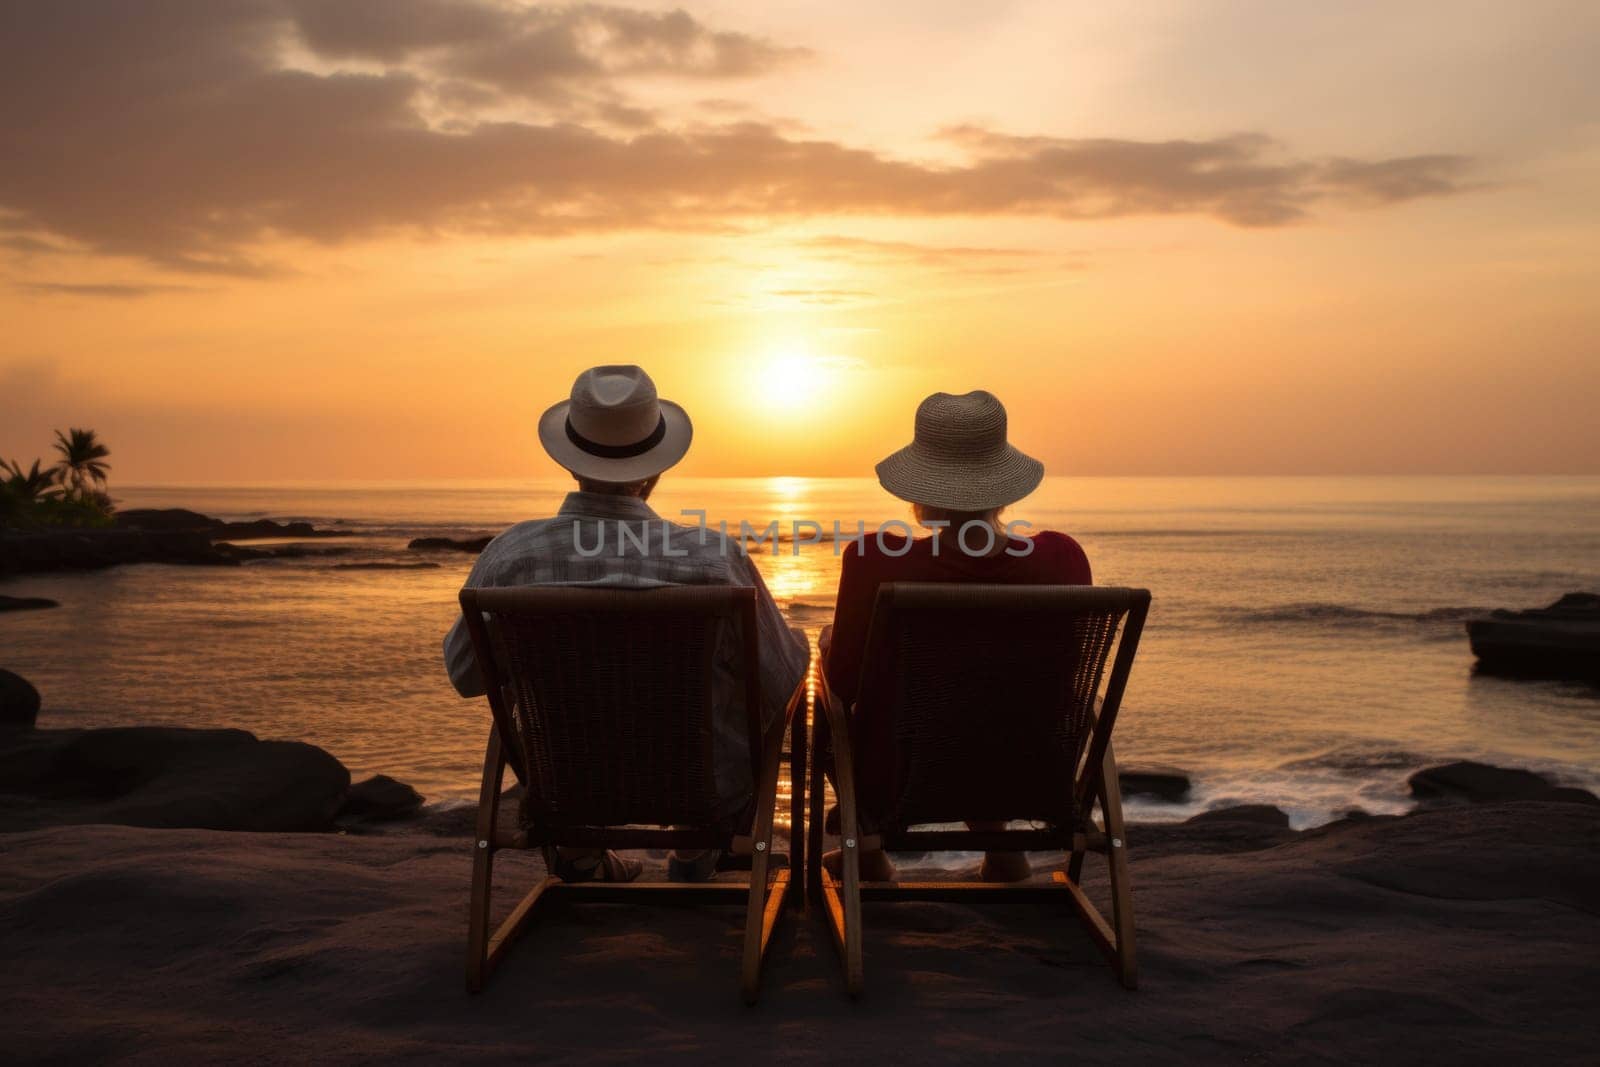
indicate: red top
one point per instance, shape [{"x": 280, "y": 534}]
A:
[{"x": 1056, "y": 559}]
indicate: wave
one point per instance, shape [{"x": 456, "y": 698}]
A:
[
  {"x": 1357, "y": 760},
  {"x": 1348, "y": 615},
  {"x": 801, "y": 610},
  {"x": 1195, "y": 532}
]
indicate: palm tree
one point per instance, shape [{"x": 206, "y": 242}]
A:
[
  {"x": 29, "y": 485},
  {"x": 21, "y": 491},
  {"x": 79, "y": 465}
]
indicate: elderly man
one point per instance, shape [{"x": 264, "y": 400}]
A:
[{"x": 616, "y": 436}]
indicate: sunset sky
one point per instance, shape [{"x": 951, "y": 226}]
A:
[{"x": 274, "y": 240}]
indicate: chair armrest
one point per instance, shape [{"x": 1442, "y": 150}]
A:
[
  {"x": 797, "y": 700},
  {"x": 844, "y": 771},
  {"x": 825, "y": 694},
  {"x": 798, "y": 696},
  {"x": 771, "y": 761}
]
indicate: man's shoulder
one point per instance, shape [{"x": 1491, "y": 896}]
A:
[
  {"x": 517, "y": 541},
  {"x": 522, "y": 533},
  {"x": 703, "y": 540}
]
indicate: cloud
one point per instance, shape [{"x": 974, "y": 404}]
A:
[
  {"x": 868, "y": 247},
  {"x": 965, "y": 260},
  {"x": 843, "y": 247},
  {"x": 24, "y": 245},
  {"x": 823, "y": 296},
  {"x": 175, "y": 131},
  {"x": 528, "y": 49},
  {"x": 1246, "y": 179},
  {"x": 113, "y": 291}
]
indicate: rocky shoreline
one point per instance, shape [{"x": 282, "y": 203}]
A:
[
  {"x": 200, "y": 894},
  {"x": 168, "y": 535},
  {"x": 225, "y": 779},
  {"x": 1461, "y": 934}
]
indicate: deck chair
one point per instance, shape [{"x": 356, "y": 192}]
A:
[
  {"x": 602, "y": 707},
  {"x": 991, "y": 696}
]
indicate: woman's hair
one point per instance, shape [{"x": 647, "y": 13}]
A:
[{"x": 927, "y": 513}]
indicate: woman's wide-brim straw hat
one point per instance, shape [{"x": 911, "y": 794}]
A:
[
  {"x": 960, "y": 459},
  {"x": 614, "y": 428}
]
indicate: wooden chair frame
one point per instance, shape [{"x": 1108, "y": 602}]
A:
[
  {"x": 764, "y": 901},
  {"x": 1096, "y": 784}
]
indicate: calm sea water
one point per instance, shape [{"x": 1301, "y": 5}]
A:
[{"x": 1305, "y": 647}]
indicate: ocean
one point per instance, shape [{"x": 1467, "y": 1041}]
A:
[{"x": 1305, "y": 646}]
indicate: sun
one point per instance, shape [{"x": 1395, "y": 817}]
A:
[{"x": 790, "y": 377}]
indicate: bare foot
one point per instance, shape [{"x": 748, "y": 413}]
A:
[
  {"x": 1005, "y": 867},
  {"x": 875, "y": 865}
]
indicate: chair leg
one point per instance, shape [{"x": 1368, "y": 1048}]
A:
[
  {"x": 841, "y": 902},
  {"x": 766, "y": 902},
  {"x": 1121, "y": 882},
  {"x": 478, "y": 919},
  {"x": 844, "y": 897},
  {"x": 797, "y": 807},
  {"x": 754, "y": 928},
  {"x": 853, "y": 979},
  {"x": 814, "y": 829},
  {"x": 494, "y": 769}
]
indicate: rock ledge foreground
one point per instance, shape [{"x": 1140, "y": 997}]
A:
[{"x": 1460, "y": 935}]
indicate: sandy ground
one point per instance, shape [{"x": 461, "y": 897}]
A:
[{"x": 1462, "y": 935}]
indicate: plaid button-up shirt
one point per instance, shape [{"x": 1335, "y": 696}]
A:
[{"x": 545, "y": 552}]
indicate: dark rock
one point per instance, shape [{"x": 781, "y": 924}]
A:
[
  {"x": 246, "y": 553},
  {"x": 26, "y": 603},
  {"x": 182, "y": 520},
  {"x": 446, "y": 544},
  {"x": 165, "y": 519},
  {"x": 264, "y": 528},
  {"x": 384, "y": 566},
  {"x": 28, "y": 760},
  {"x": 1482, "y": 783},
  {"x": 19, "y": 700},
  {"x": 1164, "y": 783},
  {"x": 149, "y": 535},
  {"x": 1264, "y": 814},
  {"x": 94, "y": 549},
  {"x": 1561, "y": 641},
  {"x": 1220, "y": 832},
  {"x": 308, "y": 551},
  {"x": 1528, "y": 851},
  {"x": 380, "y": 799},
  {"x": 243, "y": 554},
  {"x": 170, "y": 777},
  {"x": 458, "y": 820}
]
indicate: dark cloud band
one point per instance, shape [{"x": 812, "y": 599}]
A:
[{"x": 175, "y": 131}]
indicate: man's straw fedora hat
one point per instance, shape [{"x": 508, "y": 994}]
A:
[{"x": 614, "y": 428}]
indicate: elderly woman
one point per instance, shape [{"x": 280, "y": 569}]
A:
[{"x": 958, "y": 473}]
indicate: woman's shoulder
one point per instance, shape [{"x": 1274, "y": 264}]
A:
[
  {"x": 879, "y": 544},
  {"x": 1055, "y": 541},
  {"x": 1061, "y": 552}
]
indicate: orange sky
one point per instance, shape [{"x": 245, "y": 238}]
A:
[{"x": 271, "y": 240}]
